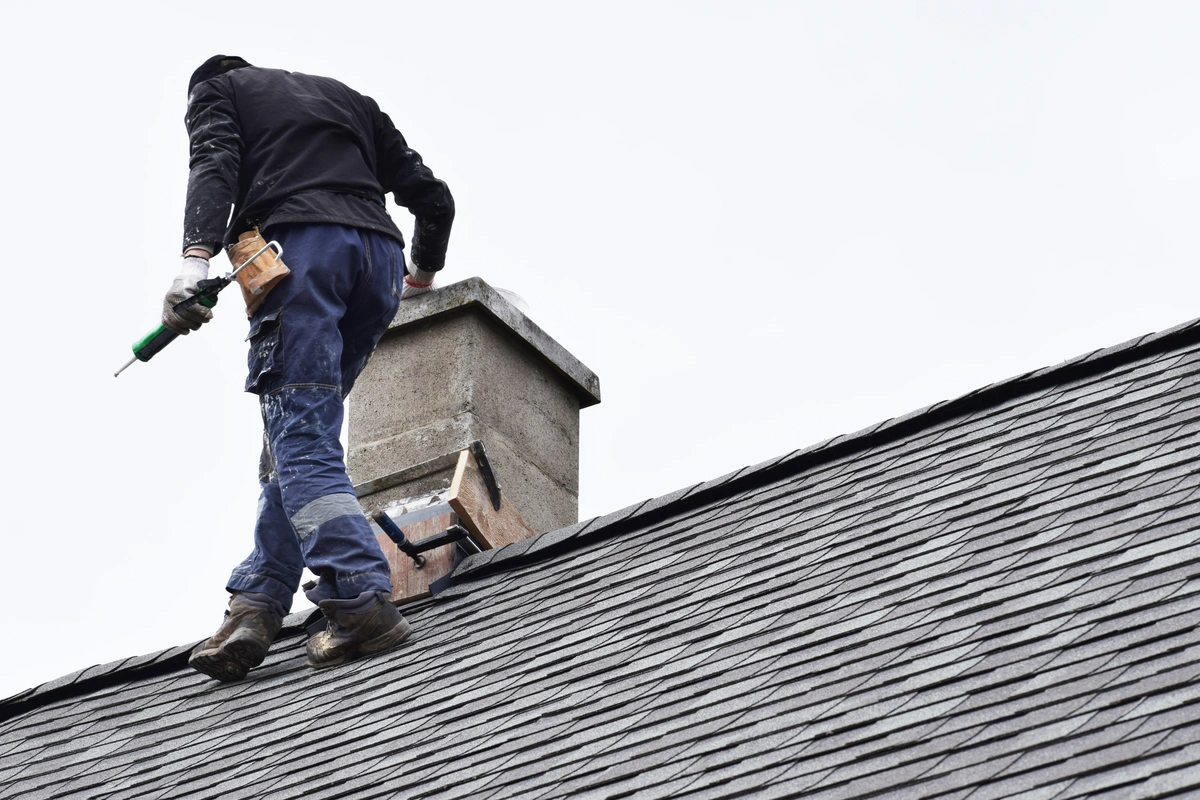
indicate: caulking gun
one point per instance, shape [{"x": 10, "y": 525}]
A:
[{"x": 149, "y": 345}]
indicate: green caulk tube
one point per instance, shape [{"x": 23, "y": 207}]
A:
[{"x": 149, "y": 345}]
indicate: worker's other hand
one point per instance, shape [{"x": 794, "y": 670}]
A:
[
  {"x": 417, "y": 282},
  {"x": 193, "y": 270}
]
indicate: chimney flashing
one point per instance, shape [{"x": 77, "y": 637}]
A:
[{"x": 442, "y": 463}]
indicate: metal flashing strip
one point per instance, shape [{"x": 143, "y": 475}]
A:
[
  {"x": 421, "y": 514},
  {"x": 443, "y": 462}
]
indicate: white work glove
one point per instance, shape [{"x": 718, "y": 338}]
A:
[
  {"x": 193, "y": 270},
  {"x": 417, "y": 282}
]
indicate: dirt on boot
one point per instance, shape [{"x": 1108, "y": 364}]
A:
[
  {"x": 378, "y": 628},
  {"x": 240, "y": 644}
]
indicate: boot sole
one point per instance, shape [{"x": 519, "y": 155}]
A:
[
  {"x": 379, "y": 644},
  {"x": 230, "y": 662},
  {"x": 215, "y": 665}
]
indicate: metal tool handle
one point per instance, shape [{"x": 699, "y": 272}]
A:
[
  {"x": 396, "y": 535},
  {"x": 278, "y": 255}
]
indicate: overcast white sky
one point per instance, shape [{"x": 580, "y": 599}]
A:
[{"x": 761, "y": 223}]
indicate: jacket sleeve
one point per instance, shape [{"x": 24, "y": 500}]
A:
[
  {"x": 216, "y": 144},
  {"x": 400, "y": 170}
]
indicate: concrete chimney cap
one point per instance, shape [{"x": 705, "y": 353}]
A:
[{"x": 457, "y": 297}]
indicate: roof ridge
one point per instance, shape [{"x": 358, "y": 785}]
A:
[{"x": 552, "y": 543}]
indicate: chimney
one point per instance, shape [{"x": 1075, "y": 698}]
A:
[{"x": 461, "y": 365}]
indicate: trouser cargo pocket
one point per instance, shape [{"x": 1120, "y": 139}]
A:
[{"x": 265, "y": 359}]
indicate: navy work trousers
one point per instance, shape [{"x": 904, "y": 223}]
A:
[{"x": 309, "y": 340}]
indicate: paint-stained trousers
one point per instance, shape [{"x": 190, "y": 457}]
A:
[{"x": 308, "y": 342}]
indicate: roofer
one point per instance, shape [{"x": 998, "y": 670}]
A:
[{"x": 306, "y": 161}]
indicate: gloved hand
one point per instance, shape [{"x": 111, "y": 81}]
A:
[
  {"x": 417, "y": 282},
  {"x": 193, "y": 270}
]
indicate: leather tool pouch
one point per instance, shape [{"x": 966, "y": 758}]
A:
[{"x": 261, "y": 275}]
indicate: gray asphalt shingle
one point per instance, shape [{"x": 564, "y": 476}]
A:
[{"x": 997, "y": 596}]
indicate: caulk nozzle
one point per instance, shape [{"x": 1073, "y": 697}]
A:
[{"x": 124, "y": 366}]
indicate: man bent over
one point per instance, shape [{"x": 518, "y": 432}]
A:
[{"x": 305, "y": 161}]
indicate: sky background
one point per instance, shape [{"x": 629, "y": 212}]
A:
[{"x": 761, "y": 224}]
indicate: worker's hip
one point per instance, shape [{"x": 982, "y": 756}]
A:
[{"x": 317, "y": 327}]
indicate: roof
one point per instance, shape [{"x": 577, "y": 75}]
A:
[{"x": 992, "y": 597}]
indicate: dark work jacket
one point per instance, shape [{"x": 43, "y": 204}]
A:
[{"x": 287, "y": 147}]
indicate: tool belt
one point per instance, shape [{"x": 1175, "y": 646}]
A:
[{"x": 262, "y": 274}]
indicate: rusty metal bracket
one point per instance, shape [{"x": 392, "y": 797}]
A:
[{"x": 485, "y": 471}]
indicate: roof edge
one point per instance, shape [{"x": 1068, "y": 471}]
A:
[
  {"x": 649, "y": 512},
  {"x": 102, "y": 676}
]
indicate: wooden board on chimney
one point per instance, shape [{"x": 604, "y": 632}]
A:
[
  {"x": 408, "y": 582},
  {"x": 470, "y": 499}
]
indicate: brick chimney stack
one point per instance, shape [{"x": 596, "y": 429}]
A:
[{"x": 461, "y": 364}]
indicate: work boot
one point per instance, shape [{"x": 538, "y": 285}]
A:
[
  {"x": 368, "y": 624},
  {"x": 241, "y": 643}
]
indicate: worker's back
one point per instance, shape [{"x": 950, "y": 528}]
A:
[{"x": 307, "y": 147}]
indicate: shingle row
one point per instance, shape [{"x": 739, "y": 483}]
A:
[{"x": 1003, "y": 602}]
